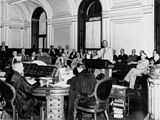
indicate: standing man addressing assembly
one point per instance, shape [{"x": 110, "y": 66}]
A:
[{"x": 105, "y": 53}]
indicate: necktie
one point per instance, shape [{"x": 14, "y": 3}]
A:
[{"x": 104, "y": 51}]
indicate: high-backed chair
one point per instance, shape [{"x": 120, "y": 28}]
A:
[
  {"x": 8, "y": 94},
  {"x": 98, "y": 101}
]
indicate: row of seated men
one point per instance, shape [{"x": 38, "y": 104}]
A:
[
  {"x": 51, "y": 55},
  {"x": 123, "y": 63}
]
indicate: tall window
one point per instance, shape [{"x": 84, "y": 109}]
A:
[
  {"x": 39, "y": 29},
  {"x": 157, "y": 25},
  {"x": 89, "y": 24}
]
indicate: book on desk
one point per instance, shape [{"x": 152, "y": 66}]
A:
[{"x": 38, "y": 71}]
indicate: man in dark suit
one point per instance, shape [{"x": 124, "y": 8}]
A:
[
  {"x": 122, "y": 58},
  {"x": 25, "y": 103},
  {"x": 3, "y": 54},
  {"x": 132, "y": 57},
  {"x": 83, "y": 82},
  {"x": 3, "y": 46}
]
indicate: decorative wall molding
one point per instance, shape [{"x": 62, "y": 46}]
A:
[
  {"x": 148, "y": 9},
  {"x": 105, "y": 14},
  {"x": 126, "y": 20},
  {"x": 15, "y": 24},
  {"x": 116, "y": 4},
  {"x": 61, "y": 15},
  {"x": 64, "y": 21}
]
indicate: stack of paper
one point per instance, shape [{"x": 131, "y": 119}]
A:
[
  {"x": 61, "y": 84},
  {"x": 118, "y": 108}
]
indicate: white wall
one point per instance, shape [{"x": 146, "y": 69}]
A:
[
  {"x": 126, "y": 24},
  {"x": 14, "y": 27},
  {"x": 130, "y": 24},
  {"x": 61, "y": 34}
]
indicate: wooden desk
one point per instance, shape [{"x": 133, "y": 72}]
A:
[{"x": 55, "y": 101}]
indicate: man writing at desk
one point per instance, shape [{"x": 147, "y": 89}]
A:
[
  {"x": 25, "y": 103},
  {"x": 105, "y": 53}
]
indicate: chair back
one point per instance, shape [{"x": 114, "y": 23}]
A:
[
  {"x": 7, "y": 91},
  {"x": 103, "y": 89}
]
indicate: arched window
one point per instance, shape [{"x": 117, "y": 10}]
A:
[
  {"x": 89, "y": 24},
  {"x": 39, "y": 29},
  {"x": 157, "y": 25}
]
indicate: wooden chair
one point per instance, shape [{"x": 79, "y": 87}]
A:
[
  {"x": 8, "y": 95},
  {"x": 98, "y": 101}
]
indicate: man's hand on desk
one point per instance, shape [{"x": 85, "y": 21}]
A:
[
  {"x": 30, "y": 80},
  {"x": 43, "y": 82}
]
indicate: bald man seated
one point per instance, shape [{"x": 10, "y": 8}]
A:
[{"x": 25, "y": 103}]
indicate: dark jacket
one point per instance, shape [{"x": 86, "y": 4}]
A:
[
  {"x": 84, "y": 82},
  {"x": 123, "y": 58},
  {"x": 24, "y": 101}
]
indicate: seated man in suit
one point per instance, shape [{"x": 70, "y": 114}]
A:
[
  {"x": 122, "y": 58},
  {"x": 3, "y": 54},
  {"x": 132, "y": 57},
  {"x": 23, "y": 55},
  {"x": 155, "y": 63},
  {"x": 41, "y": 53},
  {"x": 25, "y": 103},
  {"x": 83, "y": 82}
]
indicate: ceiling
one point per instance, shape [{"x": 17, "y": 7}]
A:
[{"x": 57, "y": 6}]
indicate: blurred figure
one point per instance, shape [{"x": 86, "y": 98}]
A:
[
  {"x": 140, "y": 53},
  {"x": 94, "y": 53},
  {"x": 76, "y": 60},
  {"x": 59, "y": 50},
  {"x": 140, "y": 69},
  {"x": 122, "y": 58},
  {"x": 84, "y": 82},
  {"x": 114, "y": 56},
  {"x": 33, "y": 56},
  {"x": 3, "y": 54},
  {"x": 155, "y": 62},
  {"x": 132, "y": 57},
  {"x": 105, "y": 53},
  {"x": 3, "y": 46},
  {"x": 23, "y": 55},
  {"x": 88, "y": 54},
  {"x": 67, "y": 51},
  {"x": 151, "y": 59},
  {"x": 13, "y": 58},
  {"x": 52, "y": 53},
  {"x": 81, "y": 53},
  {"x": 25, "y": 103},
  {"x": 41, "y": 53},
  {"x": 73, "y": 54},
  {"x": 61, "y": 61}
]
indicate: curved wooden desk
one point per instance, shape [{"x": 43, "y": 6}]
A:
[{"x": 55, "y": 101}]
